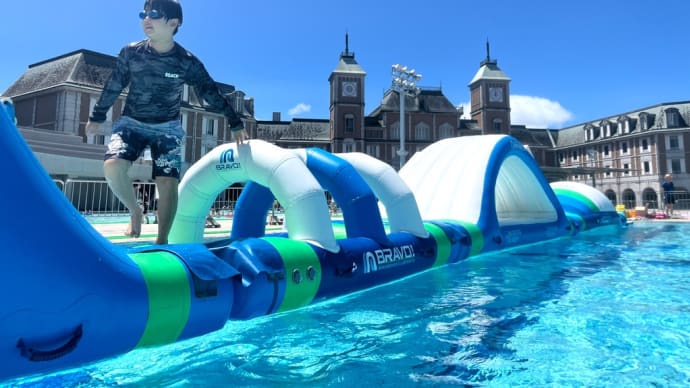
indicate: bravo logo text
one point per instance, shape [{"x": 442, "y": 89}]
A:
[
  {"x": 385, "y": 258},
  {"x": 227, "y": 161}
]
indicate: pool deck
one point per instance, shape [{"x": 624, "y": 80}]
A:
[{"x": 115, "y": 232}]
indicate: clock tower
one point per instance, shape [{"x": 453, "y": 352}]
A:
[
  {"x": 490, "y": 97},
  {"x": 347, "y": 103}
]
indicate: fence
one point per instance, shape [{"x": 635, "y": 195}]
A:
[
  {"x": 654, "y": 200},
  {"x": 95, "y": 197}
]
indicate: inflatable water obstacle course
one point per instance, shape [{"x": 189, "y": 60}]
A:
[{"x": 70, "y": 297}]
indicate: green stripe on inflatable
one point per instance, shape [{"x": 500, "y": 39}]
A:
[
  {"x": 475, "y": 234},
  {"x": 302, "y": 272},
  {"x": 578, "y": 197},
  {"x": 442, "y": 244},
  {"x": 169, "y": 297}
]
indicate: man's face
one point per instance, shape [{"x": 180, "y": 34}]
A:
[{"x": 157, "y": 26}]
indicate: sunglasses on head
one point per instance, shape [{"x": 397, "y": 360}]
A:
[{"x": 153, "y": 14}]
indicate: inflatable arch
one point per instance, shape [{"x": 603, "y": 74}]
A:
[{"x": 489, "y": 181}]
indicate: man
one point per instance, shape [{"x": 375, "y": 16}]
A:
[
  {"x": 669, "y": 198},
  {"x": 155, "y": 70}
]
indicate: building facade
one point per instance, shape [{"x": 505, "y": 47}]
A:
[{"x": 625, "y": 155}]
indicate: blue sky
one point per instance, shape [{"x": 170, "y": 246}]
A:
[{"x": 570, "y": 62}]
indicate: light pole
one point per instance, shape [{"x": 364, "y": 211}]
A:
[{"x": 405, "y": 83}]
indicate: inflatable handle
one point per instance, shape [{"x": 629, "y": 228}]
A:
[{"x": 48, "y": 355}]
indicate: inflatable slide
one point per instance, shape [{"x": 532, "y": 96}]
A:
[{"x": 70, "y": 297}]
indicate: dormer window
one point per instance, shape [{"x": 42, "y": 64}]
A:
[{"x": 673, "y": 119}]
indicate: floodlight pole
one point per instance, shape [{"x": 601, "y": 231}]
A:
[{"x": 405, "y": 83}]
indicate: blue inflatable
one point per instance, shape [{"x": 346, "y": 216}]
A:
[{"x": 70, "y": 297}]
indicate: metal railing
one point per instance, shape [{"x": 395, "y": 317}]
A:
[
  {"x": 682, "y": 201},
  {"x": 93, "y": 197}
]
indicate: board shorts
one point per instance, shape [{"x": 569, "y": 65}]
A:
[
  {"x": 130, "y": 138},
  {"x": 669, "y": 198}
]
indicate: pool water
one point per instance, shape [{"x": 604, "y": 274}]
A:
[{"x": 602, "y": 309}]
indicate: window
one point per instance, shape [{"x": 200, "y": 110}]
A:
[
  {"x": 374, "y": 150},
  {"x": 395, "y": 131},
  {"x": 497, "y": 125},
  {"x": 209, "y": 126},
  {"x": 626, "y": 166},
  {"x": 445, "y": 131},
  {"x": 185, "y": 93},
  {"x": 606, "y": 150},
  {"x": 624, "y": 147},
  {"x": 349, "y": 123},
  {"x": 645, "y": 145},
  {"x": 348, "y": 147},
  {"x": 676, "y": 166},
  {"x": 645, "y": 167},
  {"x": 422, "y": 132},
  {"x": 644, "y": 121},
  {"x": 672, "y": 120},
  {"x": 673, "y": 143}
]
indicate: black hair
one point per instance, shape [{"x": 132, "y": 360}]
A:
[{"x": 170, "y": 8}]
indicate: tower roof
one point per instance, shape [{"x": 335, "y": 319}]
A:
[
  {"x": 347, "y": 62},
  {"x": 489, "y": 70}
]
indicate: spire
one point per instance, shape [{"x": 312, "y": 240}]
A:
[
  {"x": 347, "y": 53},
  {"x": 347, "y": 43},
  {"x": 488, "y": 60},
  {"x": 488, "y": 56}
]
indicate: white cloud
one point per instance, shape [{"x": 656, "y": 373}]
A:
[
  {"x": 537, "y": 112},
  {"x": 299, "y": 109},
  {"x": 532, "y": 112}
]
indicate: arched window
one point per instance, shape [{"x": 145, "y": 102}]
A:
[
  {"x": 629, "y": 199},
  {"x": 422, "y": 132},
  {"x": 445, "y": 131},
  {"x": 650, "y": 199}
]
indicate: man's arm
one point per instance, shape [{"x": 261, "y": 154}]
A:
[{"x": 112, "y": 89}]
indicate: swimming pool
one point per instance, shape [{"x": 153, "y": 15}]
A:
[{"x": 595, "y": 310}]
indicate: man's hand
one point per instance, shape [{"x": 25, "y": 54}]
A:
[
  {"x": 92, "y": 128},
  {"x": 240, "y": 136}
]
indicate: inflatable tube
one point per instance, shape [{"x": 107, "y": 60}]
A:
[
  {"x": 397, "y": 200},
  {"x": 586, "y": 206},
  {"x": 282, "y": 172},
  {"x": 356, "y": 199}
]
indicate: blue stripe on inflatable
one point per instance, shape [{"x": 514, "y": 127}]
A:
[
  {"x": 70, "y": 289},
  {"x": 249, "y": 217},
  {"x": 348, "y": 188},
  {"x": 573, "y": 205}
]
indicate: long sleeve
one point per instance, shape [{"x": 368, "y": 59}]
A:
[
  {"x": 112, "y": 89},
  {"x": 208, "y": 90}
]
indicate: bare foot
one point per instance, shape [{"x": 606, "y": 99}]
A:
[{"x": 134, "y": 228}]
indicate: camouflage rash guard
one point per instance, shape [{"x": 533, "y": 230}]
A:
[{"x": 155, "y": 85}]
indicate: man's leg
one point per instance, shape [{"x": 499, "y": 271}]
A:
[
  {"x": 120, "y": 183},
  {"x": 167, "y": 206}
]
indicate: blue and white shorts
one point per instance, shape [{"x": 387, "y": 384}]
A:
[{"x": 130, "y": 138}]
